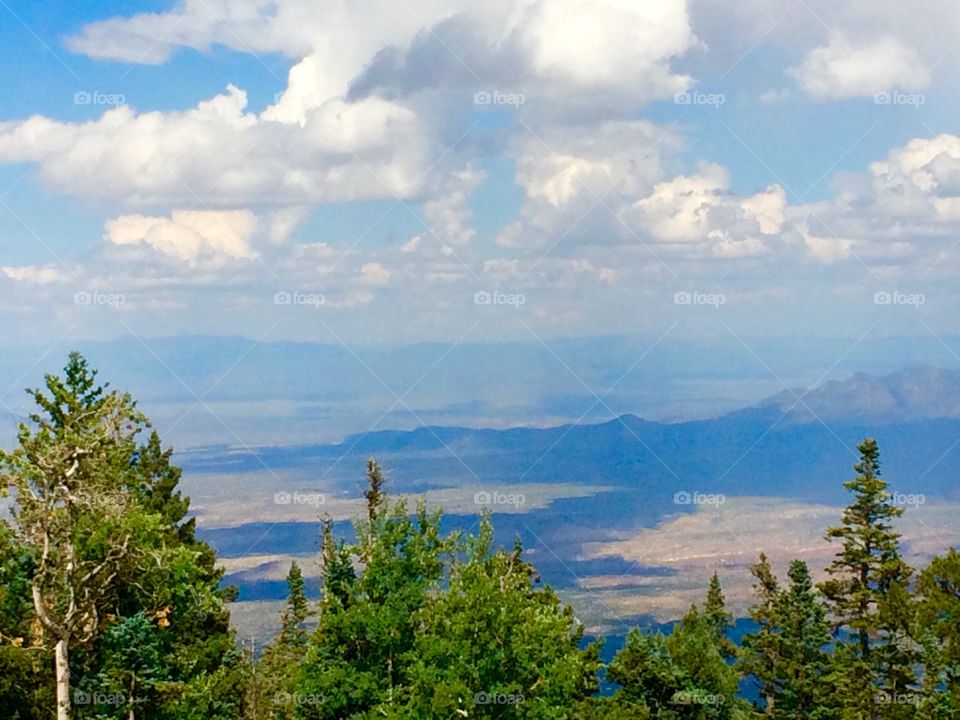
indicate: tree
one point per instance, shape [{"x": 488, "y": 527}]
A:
[
  {"x": 26, "y": 679},
  {"x": 69, "y": 473},
  {"x": 359, "y": 656},
  {"x": 715, "y": 614},
  {"x": 938, "y": 617},
  {"x": 868, "y": 593},
  {"x": 681, "y": 675},
  {"x": 495, "y": 645},
  {"x": 122, "y": 592},
  {"x": 760, "y": 651},
  {"x": 804, "y": 690},
  {"x": 274, "y": 683}
]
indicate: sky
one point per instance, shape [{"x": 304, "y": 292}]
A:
[{"x": 417, "y": 171}]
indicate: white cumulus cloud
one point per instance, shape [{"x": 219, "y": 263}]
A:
[
  {"x": 189, "y": 235},
  {"x": 844, "y": 70}
]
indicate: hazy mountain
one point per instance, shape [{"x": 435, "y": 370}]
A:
[
  {"x": 202, "y": 390},
  {"x": 761, "y": 450},
  {"x": 911, "y": 394}
]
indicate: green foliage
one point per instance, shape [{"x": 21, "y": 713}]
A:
[
  {"x": 360, "y": 655},
  {"x": 787, "y": 655},
  {"x": 868, "y": 594},
  {"x": 494, "y": 645},
  {"x": 938, "y": 620},
  {"x": 113, "y": 574},
  {"x": 682, "y": 675},
  {"x": 273, "y": 686}
]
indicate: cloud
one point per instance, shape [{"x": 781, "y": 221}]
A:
[
  {"x": 189, "y": 235},
  {"x": 842, "y": 70},
  {"x": 698, "y": 212},
  {"x": 375, "y": 273},
  {"x": 610, "y": 43},
  {"x": 574, "y": 180},
  {"x": 219, "y": 154},
  {"x": 32, "y": 274},
  {"x": 448, "y": 213},
  {"x": 903, "y": 210}
]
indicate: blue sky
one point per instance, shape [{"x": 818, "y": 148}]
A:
[{"x": 170, "y": 169}]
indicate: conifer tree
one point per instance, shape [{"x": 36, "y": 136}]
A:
[
  {"x": 69, "y": 471},
  {"x": 868, "y": 595},
  {"x": 495, "y": 645},
  {"x": 273, "y": 688},
  {"x": 359, "y": 656},
  {"x": 682, "y": 675},
  {"x": 760, "y": 651},
  {"x": 804, "y": 636},
  {"x": 716, "y": 616},
  {"x": 938, "y": 617},
  {"x": 111, "y": 564}
]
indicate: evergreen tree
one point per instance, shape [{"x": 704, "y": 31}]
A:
[
  {"x": 273, "y": 689},
  {"x": 72, "y": 516},
  {"x": 715, "y": 614},
  {"x": 494, "y": 645},
  {"x": 938, "y": 616},
  {"x": 359, "y": 657},
  {"x": 111, "y": 565},
  {"x": 868, "y": 593},
  {"x": 26, "y": 678},
  {"x": 760, "y": 651},
  {"x": 682, "y": 675},
  {"x": 804, "y": 636}
]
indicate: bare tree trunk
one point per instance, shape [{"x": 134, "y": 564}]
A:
[{"x": 62, "y": 663}]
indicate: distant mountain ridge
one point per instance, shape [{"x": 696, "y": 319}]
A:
[
  {"x": 915, "y": 393},
  {"x": 778, "y": 448}
]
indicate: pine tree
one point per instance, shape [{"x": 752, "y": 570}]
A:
[
  {"x": 273, "y": 690},
  {"x": 359, "y": 656},
  {"x": 804, "y": 636},
  {"x": 495, "y": 644},
  {"x": 26, "y": 677},
  {"x": 760, "y": 651},
  {"x": 716, "y": 616},
  {"x": 938, "y": 618},
  {"x": 868, "y": 594},
  {"x": 113, "y": 565},
  {"x": 72, "y": 515},
  {"x": 682, "y": 675}
]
